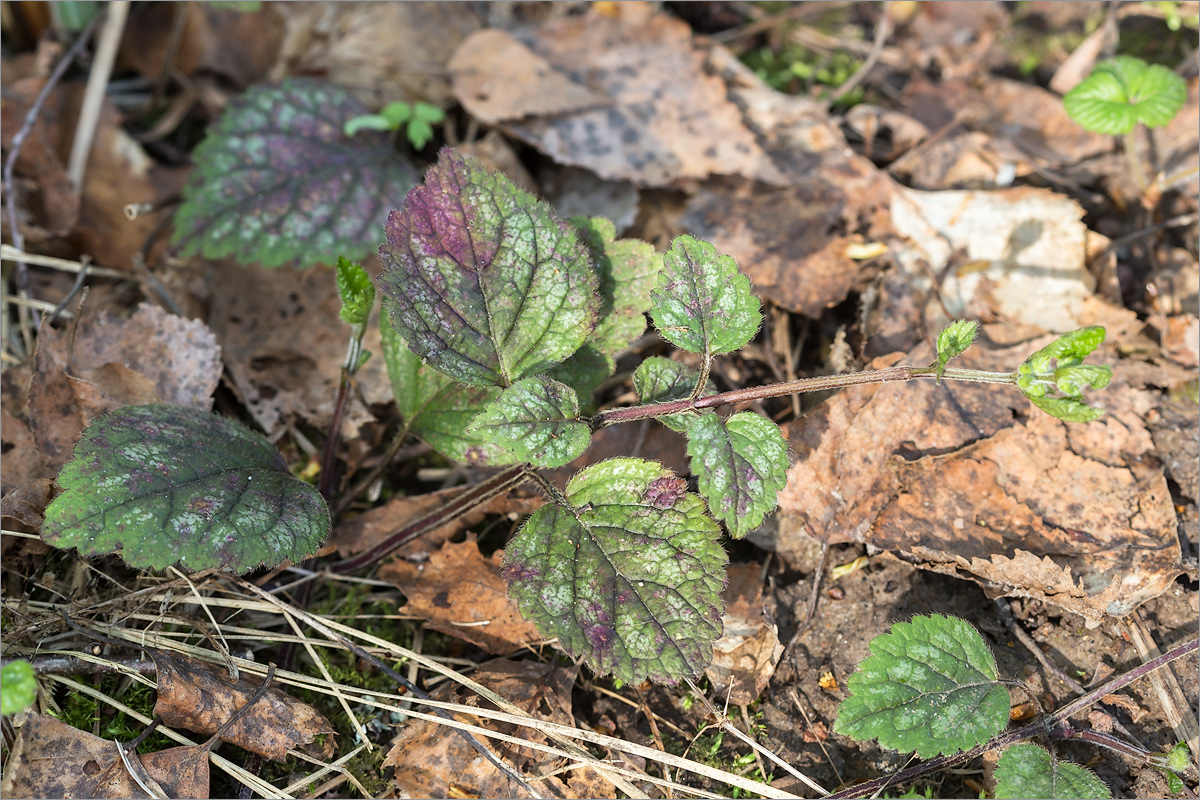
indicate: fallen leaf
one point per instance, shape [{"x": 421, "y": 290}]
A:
[
  {"x": 1077, "y": 515},
  {"x": 236, "y": 44},
  {"x": 24, "y": 505},
  {"x": 1025, "y": 250},
  {"x": 179, "y": 357},
  {"x": 363, "y": 532},
  {"x": 51, "y": 198},
  {"x": 792, "y": 241},
  {"x": 51, "y": 759},
  {"x": 23, "y": 461},
  {"x": 460, "y": 593},
  {"x": 746, "y": 654},
  {"x": 429, "y": 758},
  {"x": 284, "y": 344},
  {"x": 54, "y": 416},
  {"x": 383, "y": 52},
  {"x": 200, "y": 697},
  {"x": 498, "y": 78},
  {"x": 667, "y": 120},
  {"x": 1181, "y": 341}
]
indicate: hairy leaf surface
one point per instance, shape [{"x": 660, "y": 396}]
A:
[
  {"x": 928, "y": 686},
  {"x": 583, "y": 371},
  {"x": 1028, "y": 770},
  {"x": 277, "y": 180},
  {"x": 537, "y": 420},
  {"x": 629, "y": 576},
  {"x": 482, "y": 280},
  {"x": 167, "y": 485},
  {"x": 435, "y": 408},
  {"x": 702, "y": 303},
  {"x": 741, "y": 463},
  {"x": 954, "y": 340}
]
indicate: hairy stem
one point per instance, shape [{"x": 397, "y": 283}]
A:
[
  {"x": 1135, "y": 163},
  {"x": 470, "y": 499},
  {"x": 905, "y": 373}
]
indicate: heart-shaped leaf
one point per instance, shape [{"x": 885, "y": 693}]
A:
[
  {"x": 165, "y": 485},
  {"x": 741, "y": 464},
  {"x": 537, "y": 420},
  {"x": 928, "y": 686},
  {"x": 482, "y": 280},
  {"x": 627, "y": 269},
  {"x": 629, "y": 576},
  {"x": 702, "y": 303},
  {"x": 277, "y": 180}
]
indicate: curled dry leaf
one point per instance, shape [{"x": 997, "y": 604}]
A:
[
  {"x": 748, "y": 651},
  {"x": 52, "y": 759},
  {"x": 200, "y": 697},
  {"x": 430, "y": 759},
  {"x": 460, "y": 593}
]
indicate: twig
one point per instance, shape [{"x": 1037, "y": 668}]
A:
[
  {"x": 14, "y": 151},
  {"x": 883, "y": 29},
  {"x": 93, "y": 98}
]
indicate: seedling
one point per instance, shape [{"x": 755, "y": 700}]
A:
[
  {"x": 1121, "y": 93},
  {"x": 501, "y": 320},
  {"x": 416, "y": 121},
  {"x": 931, "y": 686}
]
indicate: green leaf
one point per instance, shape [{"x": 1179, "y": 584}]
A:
[
  {"x": 435, "y": 408},
  {"x": 661, "y": 380},
  {"x": 18, "y": 687},
  {"x": 928, "y": 686},
  {"x": 429, "y": 113},
  {"x": 629, "y": 577},
  {"x": 419, "y": 132},
  {"x": 583, "y": 371},
  {"x": 701, "y": 302},
  {"x": 953, "y": 341},
  {"x": 1124, "y": 91},
  {"x": 167, "y": 485},
  {"x": 537, "y": 420},
  {"x": 356, "y": 291},
  {"x": 396, "y": 114},
  {"x": 741, "y": 463},
  {"x": 277, "y": 180},
  {"x": 628, "y": 269},
  {"x": 481, "y": 278},
  {"x": 367, "y": 122},
  {"x": 1028, "y": 770},
  {"x": 1068, "y": 409},
  {"x": 1055, "y": 377}
]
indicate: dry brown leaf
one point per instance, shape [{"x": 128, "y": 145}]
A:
[
  {"x": 240, "y": 46},
  {"x": 200, "y": 697},
  {"x": 749, "y": 649},
  {"x": 23, "y": 461},
  {"x": 383, "y": 52},
  {"x": 284, "y": 344},
  {"x": 24, "y": 505},
  {"x": 792, "y": 242},
  {"x": 460, "y": 593},
  {"x": 498, "y": 78},
  {"x": 954, "y": 483},
  {"x": 1025, "y": 252},
  {"x": 52, "y": 200},
  {"x": 667, "y": 121},
  {"x": 54, "y": 415},
  {"x": 51, "y": 759},
  {"x": 363, "y": 532},
  {"x": 180, "y": 358},
  {"x": 429, "y": 758}
]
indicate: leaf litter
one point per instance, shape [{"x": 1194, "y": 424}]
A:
[{"x": 1069, "y": 514}]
